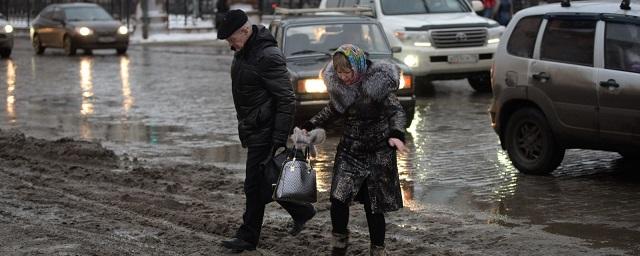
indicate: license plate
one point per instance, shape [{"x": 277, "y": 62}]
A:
[
  {"x": 106, "y": 39},
  {"x": 462, "y": 58}
]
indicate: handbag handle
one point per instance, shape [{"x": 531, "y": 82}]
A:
[{"x": 293, "y": 153}]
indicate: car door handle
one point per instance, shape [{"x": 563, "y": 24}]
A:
[
  {"x": 542, "y": 77},
  {"x": 609, "y": 83}
]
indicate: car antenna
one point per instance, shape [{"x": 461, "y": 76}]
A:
[
  {"x": 566, "y": 3},
  {"x": 625, "y": 5}
]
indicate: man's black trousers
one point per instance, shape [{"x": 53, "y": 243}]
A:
[{"x": 256, "y": 189}]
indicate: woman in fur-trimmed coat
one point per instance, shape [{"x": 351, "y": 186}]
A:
[{"x": 361, "y": 92}]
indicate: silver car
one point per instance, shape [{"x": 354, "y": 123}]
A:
[
  {"x": 6, "y": 37},
  {"x": 568, "y": 76}
]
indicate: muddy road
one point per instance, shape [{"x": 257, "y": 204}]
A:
[{"x": 139, "y": 155}]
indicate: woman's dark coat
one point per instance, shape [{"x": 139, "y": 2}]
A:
[{"x": 372, "y": 114}]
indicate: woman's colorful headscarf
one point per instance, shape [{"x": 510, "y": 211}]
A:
[{"x": 356, "y": 57}]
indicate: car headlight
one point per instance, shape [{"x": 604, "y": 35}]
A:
[
  {"x": 123, "y": 30},
  {"x": 84, "y": 31},
  {"x": 405, "y": 81},
  {"x": 8, "y": 29},
  {"x": 311, "y": 86},
  {"x": 411, "y": 60},
  {"x": 494, "y": 34},
  {"x": 415, "y": 38}
]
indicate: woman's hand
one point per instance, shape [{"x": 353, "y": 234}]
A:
[{"x": 398, "y": 144}]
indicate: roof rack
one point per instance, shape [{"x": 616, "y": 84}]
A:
[{"x": 357, "y": 10}]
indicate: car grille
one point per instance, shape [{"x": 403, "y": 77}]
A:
[
  {"x": 106, "y": 33},
  {"x": 459, "y": 38}
]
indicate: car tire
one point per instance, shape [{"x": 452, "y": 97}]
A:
[
  {"x": 69, "y": 48},
  {"x": 121, "y": 51},
  {"x": 530, "y": 143},
  {"x": 480, "y": 82},
  {"x": 37, "y": 45},
  {"x": 5, "y": 53}
]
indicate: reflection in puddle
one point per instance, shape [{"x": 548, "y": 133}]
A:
[
  {"x": 86, "y": 84},
  {"x": 507, "y": 173},
  {"x": 11, "y": 87},
  {"x": 126, "y": 89},
  {"x": 230, "y": 156}
]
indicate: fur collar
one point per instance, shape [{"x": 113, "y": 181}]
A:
[{"x": 380, "y": 79}]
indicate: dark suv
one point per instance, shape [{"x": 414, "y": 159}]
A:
[
  {"x": 308, "y": 40},
  {"x": 568, "y": 76}
]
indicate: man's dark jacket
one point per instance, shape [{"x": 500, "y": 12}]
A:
[{"x": 262, "y": 92}]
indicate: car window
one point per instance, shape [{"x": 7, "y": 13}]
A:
[
  {"x": 47, "y": 12},
  {"x": 523, "y": 37},
  {"x": 341, "y": 3},
  {"x": 322, "y": 39},
  {"x": 86, "y": 13},
  {"x": 622, "y": 47},
  {"x": 391, "y": 7},
  {"x": 569, "y": 41},
  {"x": 57, "y": 15}
]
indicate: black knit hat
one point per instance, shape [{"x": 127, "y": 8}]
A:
[{"x": 232, "y": 21}]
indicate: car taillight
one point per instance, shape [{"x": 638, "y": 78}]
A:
[{"x": 406, "y": 82}]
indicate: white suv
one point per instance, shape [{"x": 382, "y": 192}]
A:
[
  {"x": 568, "y": 76},
  {"x": 440, "y": 39}
]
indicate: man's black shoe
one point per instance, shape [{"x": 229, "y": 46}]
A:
[
  {"x": 299, "y": 226},
  {"x": 238, "y": 245}
]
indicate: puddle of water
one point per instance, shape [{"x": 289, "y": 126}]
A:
[{"x": 141, "y": 106}]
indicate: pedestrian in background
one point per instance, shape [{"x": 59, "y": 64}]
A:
[
  {"x": 365, "y": 166},
  {"x": 265, "y": 106},
  {"x": 504, "y": 12},
  {"x": 489, "y": 6}
]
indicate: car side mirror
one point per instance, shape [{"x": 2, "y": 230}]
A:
[
  {"x": 396, "y": 49},
  {"x": 477, "y": 6}
]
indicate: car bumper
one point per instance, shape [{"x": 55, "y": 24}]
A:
[
  {"x": 101, "y": 42},
  {"x": 435, "y": 61},
  {"x": 305, "y": 110},
  {"x": 6, "y": 41}
]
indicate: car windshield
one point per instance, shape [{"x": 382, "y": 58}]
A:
[
  {"x": 324, "y": 39},
  {"x": 391, "y": 7},
  {"x": 86, "y": 13}
]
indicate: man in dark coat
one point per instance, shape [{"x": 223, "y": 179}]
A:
[{"x": 265, "y": 106}]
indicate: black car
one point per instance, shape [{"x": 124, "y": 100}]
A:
[
  {"x": 6, "y": 37},
  {"x": 307, "y": 42},
  {"x": 78, "y": 26}
]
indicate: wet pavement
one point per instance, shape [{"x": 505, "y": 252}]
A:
[{"x": 173, "y": 103}]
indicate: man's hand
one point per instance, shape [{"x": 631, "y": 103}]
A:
[{"x": 398, "y": 144}]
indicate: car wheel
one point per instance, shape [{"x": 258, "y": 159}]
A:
[
  {"x": 5, "y": 53},
  {"x": 69, "y": 48},
  {"x": 531, "y": 144},
  {"x": 37, "y": 44},
  {"x": 121, "y": 51},
  {"x": 480, "y": 82}
]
